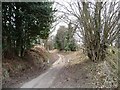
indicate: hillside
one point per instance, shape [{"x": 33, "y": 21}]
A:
[
  {"x": 60, "y": 44},
  {"x": 80, "y": 72},
  {"x": 17, "y": 70}
]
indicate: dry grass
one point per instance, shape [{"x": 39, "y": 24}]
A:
[
  {"x": 35, "y": 59},
  {"x": 81, "y": 72},
  {"x": 112, "y": 57},
  {"x": 77, "y": 58}
]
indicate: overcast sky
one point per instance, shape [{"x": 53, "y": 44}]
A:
[
  {"x": 61, "y": 23},
  {"x": 64, "y": 2}
]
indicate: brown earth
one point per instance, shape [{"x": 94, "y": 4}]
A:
[
  {"x": 80, "y": 72},
  {"x": 75, "y": 70},
  {"x": 17, "y": 70}
]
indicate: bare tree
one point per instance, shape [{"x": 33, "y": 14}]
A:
[{"x": 97, "y": 22}]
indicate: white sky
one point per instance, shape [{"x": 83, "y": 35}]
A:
[
  {"x": 63, "y": 2},
  {"x": 58, "y": 14}
]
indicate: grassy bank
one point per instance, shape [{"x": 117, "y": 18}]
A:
[{"x": 35, "y": 61}]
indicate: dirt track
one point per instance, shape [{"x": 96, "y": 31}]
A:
[
  {"x": 45, "y": 80},
  {"x": 73, "y": 71}
]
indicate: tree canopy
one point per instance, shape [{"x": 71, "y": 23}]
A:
[
  {"x": 97, "y": 22},
  {"x": 64, "y": 39},
  {"x": 23, "y": 23}
]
